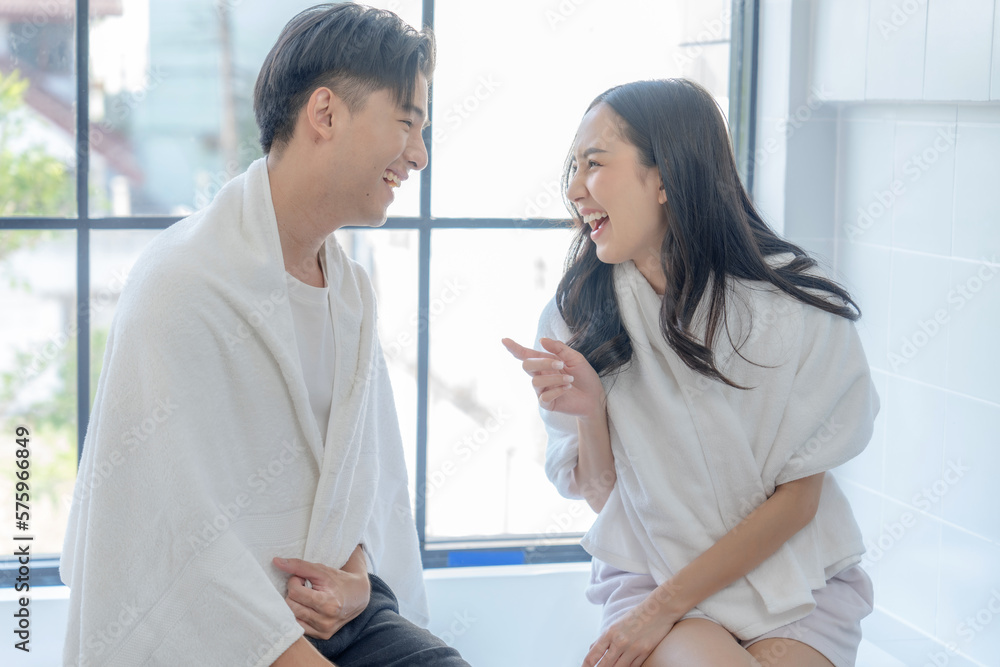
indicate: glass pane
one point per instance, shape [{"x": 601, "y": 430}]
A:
[
  {"x": 112, "y": 255},
  {"x": 704, "y": 55},
  {"x": 37, "y": 109},
  {"x": 391, "y": 258},
  {"x": 411, "y": 11},
  {"x": 38, "y": 375},
  {"x": 521, "y": 106},
  {"x": 171, "y": 101},
  {"x": 486, "y": 444}
]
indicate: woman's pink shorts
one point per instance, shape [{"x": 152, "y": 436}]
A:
[{"x": 833, "y": 628}]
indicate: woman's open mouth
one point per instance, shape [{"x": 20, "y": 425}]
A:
[{"x": 596, "y": 220}]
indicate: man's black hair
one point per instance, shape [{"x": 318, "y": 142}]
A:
[{"x": 351, "y": 49}]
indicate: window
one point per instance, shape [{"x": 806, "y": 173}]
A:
[{"x": 112, "y": 129}]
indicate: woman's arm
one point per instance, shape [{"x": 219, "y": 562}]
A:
[
  {"x": 747, "y": 545},
  {"x": 751, "y": 542},
  {"x": 565, "y": 382},
  {"x": 594, "y": 474}
]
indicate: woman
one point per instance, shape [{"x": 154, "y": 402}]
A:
[{"x": 708, "y": 379}]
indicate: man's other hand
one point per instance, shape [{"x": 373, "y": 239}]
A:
[{"x": 336, "y": 597}]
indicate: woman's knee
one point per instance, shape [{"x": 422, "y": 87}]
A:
[
  {"x": 784, "y": 652},
  {"x": 698, "y": 642}
]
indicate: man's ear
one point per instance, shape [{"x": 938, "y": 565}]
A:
[{"x": 322, "y": 111}]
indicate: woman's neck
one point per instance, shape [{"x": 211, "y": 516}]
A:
[{"x": 652, "y": 271}]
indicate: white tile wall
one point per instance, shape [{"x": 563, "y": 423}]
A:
[
  {"x": 959, "y": 49},
  {"x": 968, "y": 614},
  {"x": 977, "y": 173},
  {"x": 918, "y": 343},
  {"x": 867, "y": 507},
  {"x": 867, "y": 271},
  {"x": 908, "y": 572},
  {"x": 924, "y": 162},
  {"x": 895, "y": 63},
  {"x": 840, "y": 56},
  {"x": 974, "y": 311},
  {"x": 906, "y": 50},
  {"x": 809, "y": 207},
  {"x": 769, "y": 181},
  {"x": 971, "y": 428},
  {"x": 937, "y": 461},
  {"x": 914, "y": 443},
  {"x": 921, "y": 126},
  {"x": 865, "y": 180},
  {"x": 938, "y": 312}
]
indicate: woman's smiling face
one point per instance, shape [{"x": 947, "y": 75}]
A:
[{"x": 619, "y": 197}]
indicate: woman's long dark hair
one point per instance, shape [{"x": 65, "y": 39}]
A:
[{"x": 713, "y": 234}]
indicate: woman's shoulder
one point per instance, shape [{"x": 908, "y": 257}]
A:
[
  {"x": 762, "y": 293},
  {"x": 780, "y": 259},
  {"x": 774, "y": 317}
]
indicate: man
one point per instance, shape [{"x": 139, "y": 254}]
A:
[{"x": 241, "y": 498}]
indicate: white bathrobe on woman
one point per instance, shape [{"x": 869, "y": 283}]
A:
[
  {"x": 203, "y": 459},
  {"x": 693, "y": 456}
]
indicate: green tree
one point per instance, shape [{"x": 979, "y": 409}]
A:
[{"x": 32, "y": 182}]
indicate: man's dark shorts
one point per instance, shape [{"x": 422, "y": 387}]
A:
[{"x": 380, "y": 637}]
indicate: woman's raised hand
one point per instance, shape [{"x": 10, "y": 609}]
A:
[{"x": 563, "y": 379}]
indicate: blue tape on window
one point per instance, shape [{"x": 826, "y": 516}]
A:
[{"x": 473, "y": 558}]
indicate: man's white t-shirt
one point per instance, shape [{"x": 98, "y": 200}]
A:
[
  {"x": 314, "y": 336},
  {"x": 313, "y": 322}
]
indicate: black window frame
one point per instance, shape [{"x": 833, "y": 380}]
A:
[{"x": 434, "y": 554}]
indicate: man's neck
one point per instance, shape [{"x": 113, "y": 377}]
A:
[
  {"x": 300, "y": 230},
  {"x": 301, "y": 256}
]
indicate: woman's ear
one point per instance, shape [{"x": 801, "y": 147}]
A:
[{"x": 661, "y": 195}]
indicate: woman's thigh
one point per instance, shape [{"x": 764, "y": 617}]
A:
[
  {"x": 782, "y": 652},
  {"x": 698, "y": 642}
]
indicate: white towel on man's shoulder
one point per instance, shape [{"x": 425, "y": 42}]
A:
[{"x": 203, "y": 460}]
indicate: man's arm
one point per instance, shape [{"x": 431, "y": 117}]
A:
[{"x": 301, "y": 654}]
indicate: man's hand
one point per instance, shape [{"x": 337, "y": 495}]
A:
[{"x": 336, "y": 598}]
